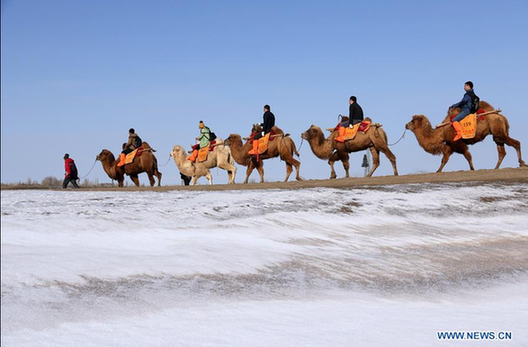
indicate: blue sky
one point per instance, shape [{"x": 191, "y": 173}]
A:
[{"x": 75, "y": 75}]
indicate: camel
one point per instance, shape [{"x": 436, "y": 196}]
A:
[
  {"x": 146, "y": 162},
  {"x": 282, "y": 146},
  {"x": 440, "y": 140},
  {"x": 374, "y": 139},
  {"x": 220, "y": 156}
]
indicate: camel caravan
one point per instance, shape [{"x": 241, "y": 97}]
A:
[{"x": 467, "y": 122}]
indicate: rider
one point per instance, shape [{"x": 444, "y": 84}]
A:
[
  {"x": 355, "y": 116},
  {"x": 465, "y": 106},
  {"x": 134, "y": 141},
  {"x": 355, "y": 113},
  {"x": 269, "y": 122},
  {"x": 202, "y": 141}
]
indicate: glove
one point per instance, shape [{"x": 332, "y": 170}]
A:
[{"x": 263, "y": 133}]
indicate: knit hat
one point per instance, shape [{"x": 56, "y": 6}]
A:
[
  {"x": 66, "y": 156},
  {"x": 201, "y": 124}
]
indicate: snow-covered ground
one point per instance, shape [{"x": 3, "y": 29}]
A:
[{"x": 380, "y": 266}]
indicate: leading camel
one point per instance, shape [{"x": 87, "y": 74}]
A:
[
  {"x": 146, "y": 162},
  {"x": 282, "y": 146},
  {"x": 220, "y": 156},
  {"x": 374, "y": 139},
  {"x": 440, "y": 140}
]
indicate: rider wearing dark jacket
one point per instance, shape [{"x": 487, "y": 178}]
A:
[
  {"x": 465, "y": 106},
  {"x": 269, "y": 122},
  {"x": 355, "y": 113}
]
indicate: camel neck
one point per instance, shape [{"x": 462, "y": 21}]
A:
[
  {"x": 321, "y": 147},
  {"x": 239, "y": 154}
]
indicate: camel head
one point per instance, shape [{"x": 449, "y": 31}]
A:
[
  {"x": 311, "y": 133},
  {"x": 104, "y": 155},
  {"x": 256, "y": 128},
  {"x": 177, "y": 151},
  {"x": 417, "y": 122},
  {"x": 232, "y": 139}
]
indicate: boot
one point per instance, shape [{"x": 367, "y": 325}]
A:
[
  {"x": 255, "y": 147},
  {"x": 122, "y": 157},
  {"x": 193, "y": 156},
  {"x": 458, "y": 129},
  {"x": 341, "y": 134}
]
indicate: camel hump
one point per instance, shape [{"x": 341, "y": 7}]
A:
[
  {"x": 367, "y": 119},
  {"x": 277, "y": 130},
  {"x": 146, "y": 147}
]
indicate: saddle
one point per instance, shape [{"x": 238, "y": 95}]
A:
[
  {"x": 469, "y": 124},
  {"x": 132, "y": 155},
  {"x": 346, "y": 133}
]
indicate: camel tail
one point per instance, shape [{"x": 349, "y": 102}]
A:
[
  {"x": 295, "y": 150},
  {"x": 507, "y": 126}
]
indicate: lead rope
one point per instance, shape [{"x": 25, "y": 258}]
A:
[
  {"x": 95, "y": 162},
  {"x": 402, "y": 137},
  {"x": 166, "y": 162}
]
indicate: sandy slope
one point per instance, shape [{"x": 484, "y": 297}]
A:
[{"x": 502, "y": 175}]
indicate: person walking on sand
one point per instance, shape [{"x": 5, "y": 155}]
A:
[{"x": 71, "y": 174}]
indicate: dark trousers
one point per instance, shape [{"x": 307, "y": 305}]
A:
[{"x": 68, "y": 180}]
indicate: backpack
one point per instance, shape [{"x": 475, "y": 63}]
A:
[
  {"x": 74, "y": 174},
  {"x": 137, "y": 141},
  {"x": 212, "y": 136},
  {"x": 475, "y": 102}
]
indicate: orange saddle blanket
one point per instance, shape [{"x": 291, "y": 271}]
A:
[
  {"x": 202, "y": 154},
  {"x": 469, "y": 126},
  {"x": 263, "y": 143},
  {"x": 135, "y": 153}
]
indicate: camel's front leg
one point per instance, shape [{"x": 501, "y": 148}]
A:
[
  {"x": 331, "y": 162},
  {"x": 249, "y": 170},
  {"x": 260, "y": 169},
  {"x": 447, "y": 153}
]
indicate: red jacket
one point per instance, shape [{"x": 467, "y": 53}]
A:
[{"x": 67, "y": 166}]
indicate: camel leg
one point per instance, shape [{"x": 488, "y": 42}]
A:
[
  {"x": 289, "y": 170},
  {"x": 468, "y": 157},
  {"x": 375, "y": 160},
  {"x": 151, "y": 179},
  {"x": 502, "y": 153},
  {"x": 231, "y": 171},
  {"x": 194, "y": 179},
  {"x": 135, "y": 179},
  {"x": 297, "y": 165},
  {"x": 331, "y": 162},
  {"x": 158, "y": 175},
  {"x": 209, "y": 177},
  {"x": 517, "y": 145},
  {"x": 388, "y": 153},
  {"x": 260, "y": 169},
  {"x": 249, "y": 170},
  {"x": 345, "y": 159},
  {"x": 120, "y": 183},
  {"x": 447, "y": 153}
]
